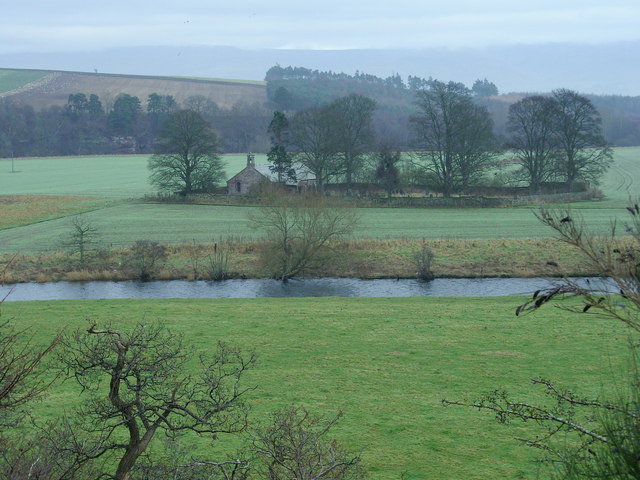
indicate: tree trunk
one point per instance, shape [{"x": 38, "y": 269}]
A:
[{"x": 132, "y": 454}]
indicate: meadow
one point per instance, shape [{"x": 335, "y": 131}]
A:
[
  {"x": 122, "y": 223},
  {"x": 119, "y": 226},
  {"x": 117, "y": 176},
  {"x": 386, "y": 363}
]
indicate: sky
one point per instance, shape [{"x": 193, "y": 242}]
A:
[{"x": 89, "y": 25}]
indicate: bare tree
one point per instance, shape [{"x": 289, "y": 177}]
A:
[
  {"x": 578, "y": 129},
  {"x": 82, "y": 238},
  {"x": 144, "y": 258},
  {"x": 298, "y": 229},
  {"x": 351, "y": 118},
  {"x": 147, "y": 392},
  {"x": 314, "y": 146},
  {"x": 186, "y": 158},
  {"x": 454, "y": 136},
  {"x": 294, "y": 447},
  {"x": 21, "y": 382},
  {"x": 600, "y": 436},
  {"x": 531, "y": 125},
  {"x": 422, "y": 260}
]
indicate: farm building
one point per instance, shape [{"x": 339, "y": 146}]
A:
[{"x": 243, "y": 182}]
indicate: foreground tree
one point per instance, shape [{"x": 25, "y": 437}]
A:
[
  {"x": 585, "y": 154},
  {"x": 531, "y": 125},
  {"x": 453, "y": 135},
  {"x": 147, "y": 392},
  {"x": 21, "y": 382},
  {"x": 298, "y": 230},
  {"x": 186, "y": 158},
  {"x": 600, "y": 437},
  {"x": 294, "y": 447}
]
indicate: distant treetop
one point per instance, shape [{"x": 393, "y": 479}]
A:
[{"x": 484, "y": 88}]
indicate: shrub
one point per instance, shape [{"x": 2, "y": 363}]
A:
[{"x": 144, "y": 259}]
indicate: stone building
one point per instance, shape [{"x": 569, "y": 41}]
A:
[{"x": 251, "y": 176}]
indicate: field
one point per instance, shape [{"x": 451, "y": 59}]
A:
[
  {"x": 12, "y": 79},
  {"x": 55, "y": 87},
  {"x": 121, "y": 225},
  {"x": 387, "y": 363},
  {"x": 126, "y": 177},
  {"x": 120, "y": 176},
  {"x": 21, "y": 210}
]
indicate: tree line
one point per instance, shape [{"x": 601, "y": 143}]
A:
[
  {"x": 295, "y": 88},
  {"x": 551, "y": 139},
  {"x": 557, "y": 138},
  {"x": 89, "y": 125}
]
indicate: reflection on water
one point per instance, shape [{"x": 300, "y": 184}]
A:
[{"x": 255, "y": 288}]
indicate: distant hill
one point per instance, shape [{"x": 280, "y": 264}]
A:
[
  {"x": 45, "y": 88},
  {"x": 609, "y": 69}
]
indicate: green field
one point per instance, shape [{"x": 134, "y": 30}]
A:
[
  {"x": 226, "y": 80},
  {"x": 126, "y": 177},
  {"x": 12, "y": 79},
  {"x": 121, "y": 176},
  {"x": 387, "y": 363},
  {"x": 121, "y": 225}
]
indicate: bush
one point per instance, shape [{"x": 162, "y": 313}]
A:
[
  {"x": 145, "y": 258},
  {"x": 422, "y": 260}
]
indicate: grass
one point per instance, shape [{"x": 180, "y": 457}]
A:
[
  {"x": 226, "y": 80},
  {"x": 121, "y": 225},
  {"x": 18, "y": 210},
  {"x": 121, "y": 176},
  {"x": 622, "y": 181},
  {"x": 12, "y": 79},
  {"x": 387, "y": 363},
  {"x": 126, "y": 176}
]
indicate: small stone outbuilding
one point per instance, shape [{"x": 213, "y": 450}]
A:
[{"x": 250, "y": 177}]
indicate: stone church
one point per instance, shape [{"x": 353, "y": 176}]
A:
[{"x": 251, "y": 176}]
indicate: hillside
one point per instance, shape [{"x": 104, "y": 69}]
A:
[{"x": 42, "y": 89}]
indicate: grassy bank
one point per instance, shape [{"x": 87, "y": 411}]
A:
[
  {"x": 387, "y": 363},
  {"x": 357, "y": 259}
]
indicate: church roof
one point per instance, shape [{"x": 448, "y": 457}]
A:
[{"x": 302, "y": 173}]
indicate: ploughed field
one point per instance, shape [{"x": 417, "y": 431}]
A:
[
  {"x": 386, "y": 363},
  {"x": 42, "y": 89},
  {"x": 106, "y": 188}
]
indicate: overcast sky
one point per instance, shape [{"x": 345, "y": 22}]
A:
[{"x": 82, "y": 25}]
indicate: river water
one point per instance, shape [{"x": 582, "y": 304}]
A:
[{"x": 261, "y": 288}]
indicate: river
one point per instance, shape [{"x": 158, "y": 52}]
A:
[{"x": 262, "y": 288}]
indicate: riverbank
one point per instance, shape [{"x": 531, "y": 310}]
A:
[{"x": 366, "y": 259}]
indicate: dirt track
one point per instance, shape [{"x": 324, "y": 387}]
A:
[{"x": 55, "y": 88}]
